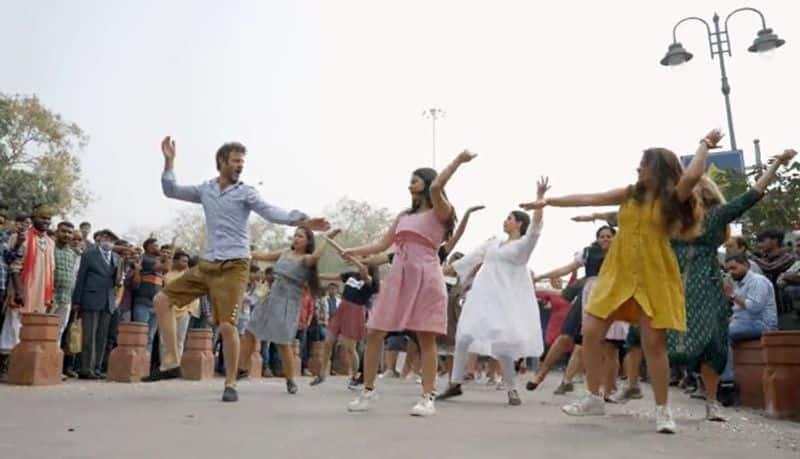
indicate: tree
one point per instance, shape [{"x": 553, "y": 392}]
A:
[
  {"x": 265, "y": 235},
  {"x": 361, "y": 223},
  {"x": 39, "y": 161},
  {"x": 779, "y": 207}
]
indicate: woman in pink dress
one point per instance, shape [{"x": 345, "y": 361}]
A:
[{"x": 413, "y": 296}]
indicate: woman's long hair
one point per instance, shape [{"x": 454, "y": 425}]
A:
[
  {"x": 711, "y": 197},
  {"x": 313, "y": 273},
  {"x": 681, "y": 218},
  {"x": 428, "y": 175}
]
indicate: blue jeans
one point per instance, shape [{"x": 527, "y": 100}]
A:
[
  {"x": 270, "y": 357},
  {"x": 146, "y": 314},
  {"x": 739, "y": 331}
]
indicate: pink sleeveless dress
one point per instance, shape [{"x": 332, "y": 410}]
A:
[{"x": 413, "y": 296}]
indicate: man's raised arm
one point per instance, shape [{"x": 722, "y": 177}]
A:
[{"x": 169, "y": 185}]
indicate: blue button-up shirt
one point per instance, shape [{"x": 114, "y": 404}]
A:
[
  {"x": 760, "y": 308},
  {"x": 228, "y": 233}
]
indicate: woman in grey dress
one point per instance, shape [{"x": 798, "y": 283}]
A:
[{"x": 276, "y": 318}]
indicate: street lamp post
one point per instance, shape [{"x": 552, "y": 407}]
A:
[
  {"x": 433, "y": 114},
  {"x": 719, "y": 43}
]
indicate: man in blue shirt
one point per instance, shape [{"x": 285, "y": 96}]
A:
[
  {"x": 223, "y": 272},
  {"x": 754, "y": 309}
]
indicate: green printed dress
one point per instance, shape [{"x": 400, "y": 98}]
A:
[{"x": 706, "y": 338}]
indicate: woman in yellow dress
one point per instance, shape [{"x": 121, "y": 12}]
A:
[{"x": 640, "y": 280}]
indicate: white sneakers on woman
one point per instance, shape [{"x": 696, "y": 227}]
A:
[
  {"x": 588, "y": 405},
  {"x": 366, "y": 398},
  {"x": 363, "y": 401},
  {"x": 714, "y": 412},
  {"x": 664, "y": 422},
  {"x": 424, "y": 407},
  {"x": 594, "y": 405}
]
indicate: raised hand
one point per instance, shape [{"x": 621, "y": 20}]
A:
[
  {"x": 542, "y": 186},
  {"x": 475, "y": 209},
  {"x": 713, "y": 138},
  {"x": 168, "y": 148},
  {"x": 465, "y": 157},
  {"x": 315, "y": 224}
]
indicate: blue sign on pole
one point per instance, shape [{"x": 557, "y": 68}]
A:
[{"x": 723, "y": 160}]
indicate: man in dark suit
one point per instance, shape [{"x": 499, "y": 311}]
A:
[{"x": 94, "y": 297}]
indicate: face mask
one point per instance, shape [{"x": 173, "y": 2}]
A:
[{"x": 106, "y": 245}]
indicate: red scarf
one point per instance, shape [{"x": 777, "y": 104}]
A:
[{"x": 31, "y": 252}]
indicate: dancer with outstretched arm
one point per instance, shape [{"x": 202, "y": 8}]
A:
[
  {"x": 274, "y": 320},
  {"x": 223, "y": 272},
  {"x": 500, "y": 317},
  {"x": 413, "y": 296},
  {"x": 640, "y": 281}
]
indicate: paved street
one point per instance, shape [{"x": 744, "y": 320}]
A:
[{"x": 186, "y": 419}]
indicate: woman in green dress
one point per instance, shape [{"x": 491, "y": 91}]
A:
[{"x": 705, "y": 344}]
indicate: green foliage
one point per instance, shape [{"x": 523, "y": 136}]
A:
[
  {"x": 779, "y": 207},
  {"x": 361, "y": 223},
  {"x": 39, "y": 157}
]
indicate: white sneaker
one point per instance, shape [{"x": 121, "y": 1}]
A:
[
  {"x": 664, "y": 421},
  {"x": 714, "y": 412},
  {"x": 588, "y": 405},
  {"x": 363, "y": 401},
  {"x": 424, "y": 407},
  {"x": 627, "y": 393}
]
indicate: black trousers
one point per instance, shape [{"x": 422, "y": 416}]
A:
[
  {"x": 95, "y": 333},
  {"x": 111, "y": 339}
]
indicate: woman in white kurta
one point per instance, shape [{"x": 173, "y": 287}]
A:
[{"x": 500, "y": 316}]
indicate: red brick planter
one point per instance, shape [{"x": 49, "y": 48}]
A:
[
  {"x": 37, "y": 359},
  {"x": 130, "y": 361},
  {"x": 782, "y": 374},
  {"x": 197, "y": 362},
  {"x": 748, "y": 364}
]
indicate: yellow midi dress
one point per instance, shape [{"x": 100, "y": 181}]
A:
[{"x": 640, "y": 268}]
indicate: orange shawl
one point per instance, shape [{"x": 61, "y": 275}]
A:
[{"x": 31, "y": 252}]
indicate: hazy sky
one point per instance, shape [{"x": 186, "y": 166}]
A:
[{"x": 328, "y": 95}]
